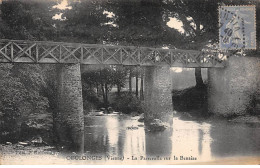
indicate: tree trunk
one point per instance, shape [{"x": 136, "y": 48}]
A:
[
  {"x": 103, "y": 93},
  {"x": 142, "y": 86},
  {"x": 130, "y": 80},
  {"x": 198, "y": 77},
  {"x": 106, "y": 91},
  {"x": 97, "y": 86},
  {"x": 136, "y": 84},
  {"x": 118, "y": 89}
]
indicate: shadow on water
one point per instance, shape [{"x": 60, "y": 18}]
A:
[
  {"x": 204, "y": 140},
  {"x": 233, "y": 139}
]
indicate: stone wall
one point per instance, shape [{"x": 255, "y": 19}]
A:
[
  {"x": 157, "y": 93},
  {"x": 70, "y": 119},
  {"x": 232, "y": 90}
]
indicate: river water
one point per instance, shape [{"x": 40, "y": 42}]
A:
[{"x": 198, "y": 141}]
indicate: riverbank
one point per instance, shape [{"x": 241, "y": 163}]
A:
[
  {"x": 18, "y": 154},
  {"x": 197, "y": 115},
  {"x": 247, "y": 119}
]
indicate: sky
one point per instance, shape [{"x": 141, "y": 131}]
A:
[
  {"x": 176, "y": 24},
  {"x": 63, "y": 5}
]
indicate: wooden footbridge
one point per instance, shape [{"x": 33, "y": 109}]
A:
[{"x": 15, "y": 51}]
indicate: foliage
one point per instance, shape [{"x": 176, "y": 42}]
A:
[
  {"x": 20, "y": 94},
  {"x": 102, "y": 79},
  {"x": 196, "y": 98},
  {"x": 30, "y": 20},
  {"x": 90, "y": 98},
  {"x": 128, "y": 103},
  {"x": 84, "y": 22},
  {"x": 199, "y": 20},
  {"x": 137, "y": 23}
]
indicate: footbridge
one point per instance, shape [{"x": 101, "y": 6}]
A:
[{"x": 59, "y": 52}]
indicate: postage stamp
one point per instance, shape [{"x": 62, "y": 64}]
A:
[{"x": 237, "y": 27}]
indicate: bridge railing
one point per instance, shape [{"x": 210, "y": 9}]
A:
[{"x": 59, "y": 52}]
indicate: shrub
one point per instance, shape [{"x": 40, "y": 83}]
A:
[
  {"x": 128, "y": 103},
  {"x": 20, "y": 96},
  {"x": 189, "y": 99}
]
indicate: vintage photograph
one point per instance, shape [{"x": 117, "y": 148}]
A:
[{"x": 129, "y": 82}]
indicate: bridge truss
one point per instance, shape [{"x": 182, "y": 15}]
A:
[{"x": 15, "y": 51}]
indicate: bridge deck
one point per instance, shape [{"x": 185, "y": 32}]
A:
[{"x": 58, "y": 52}]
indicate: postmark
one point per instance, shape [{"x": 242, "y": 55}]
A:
[{"x": 237, "y": 27}]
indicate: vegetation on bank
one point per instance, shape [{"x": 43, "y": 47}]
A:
[
  {"x": 102, "y": 88},
  {"x": 22, "y": 100},
  {"x": 191, "y": 100}
]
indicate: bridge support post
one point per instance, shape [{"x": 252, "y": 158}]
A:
[
  {"x": 70, "y": 119},
  {"x": 234, "y": 90},
  {"x": 158, "y": 102},
  {"x": 157, "y": 96}
]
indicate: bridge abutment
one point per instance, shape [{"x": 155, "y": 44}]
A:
[
  {"x": 234, "y": 90},
  {"x": 157, "y": 94},
  {"x": 70, "y": 119}
]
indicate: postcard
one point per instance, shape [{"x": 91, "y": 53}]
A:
[{"x": 136, "y": 82}]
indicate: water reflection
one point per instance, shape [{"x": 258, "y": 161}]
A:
[
  {"x": 235, "y": 140},
  {"x": 112, "y": 136},
  {"x": 134, "y": 139},
  {"x": 159, "y": 143},
  {"x": 191, "y": 139},
  {"x": 206, "y": 141}
]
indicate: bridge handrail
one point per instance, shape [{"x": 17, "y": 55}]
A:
[
  {"x": 64, "y": 52},
  {"x": 96, "y": 45}
]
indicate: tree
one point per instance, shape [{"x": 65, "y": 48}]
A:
[
  {"x": 27, "y": 20},
  {"x": 105, "y": 78},
  {"x": 20, "y": 97},
  {"x": 136, "y": 82},
  {"x": 130, "y": 79},
  {"x": 200, "y": 22},
  {"x": 84, "y": 22},
  {"x": 138, "y": 23},
  {"x": 142, "y": 85},
  {"x": 119, "y": 77}
]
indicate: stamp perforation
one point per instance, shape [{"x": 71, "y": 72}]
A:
[{"x": 220, "y": 24}]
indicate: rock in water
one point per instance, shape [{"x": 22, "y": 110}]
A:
[
  {"x": 23, "y": 143},
  {"x": 37, "y": 140},
  {"x": 19, "y": 146},
  {"x": 157, "y": 125},
  {"x": 141, "y": 119},
  {"x": 8, "y": 143},
  {"x": 110, "y": 110}
]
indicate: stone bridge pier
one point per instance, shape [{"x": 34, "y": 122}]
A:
[
  {"x": 158, "y": 105},
  {"x": 157, "y": 94},
  {"x": 234, "y": 90},
  {"x": 69, "y": 120}
]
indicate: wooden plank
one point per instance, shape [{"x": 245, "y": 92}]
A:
[
  {"x": 12, "y": 51},
  {"x": 37, "y": 53}
]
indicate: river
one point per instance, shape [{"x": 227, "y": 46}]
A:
[{"x": 194, "y": 141}]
